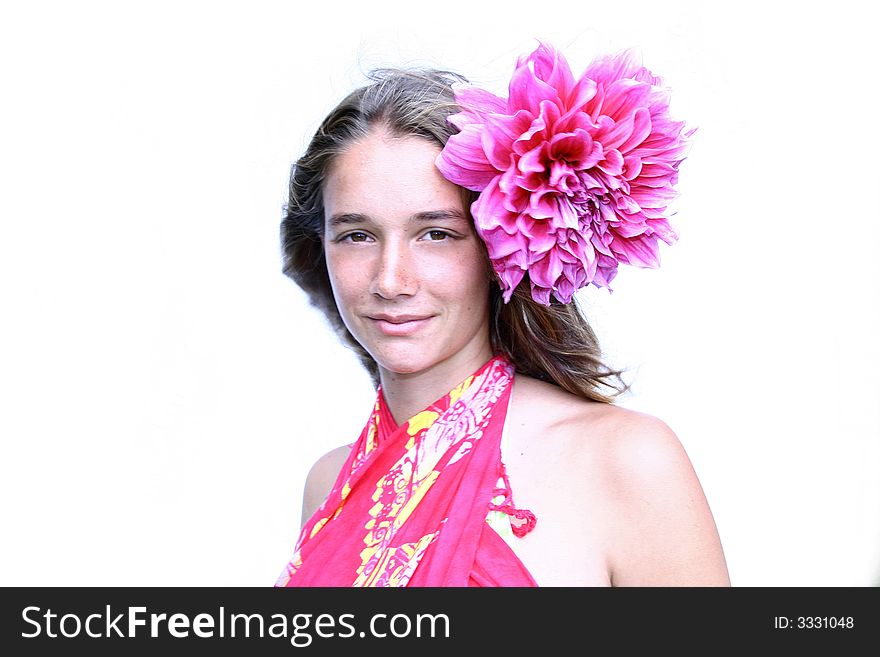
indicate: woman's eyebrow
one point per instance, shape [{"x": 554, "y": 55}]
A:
[
  {"x": 343, "y": 218},
  {"x": 440, "y": 215},
  {"x": 346, "y": 218}
]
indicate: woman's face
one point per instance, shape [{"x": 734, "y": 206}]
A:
[{"x": 408, "y": 272}]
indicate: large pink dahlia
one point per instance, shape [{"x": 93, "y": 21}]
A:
[{"x": 575, "y": 175}]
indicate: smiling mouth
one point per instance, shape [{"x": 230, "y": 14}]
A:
[{"x": 400, "y": 325}]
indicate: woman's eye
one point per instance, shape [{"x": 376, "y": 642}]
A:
[
  {"x": 437, "y": 235},
  {"x": 355, "y": 237}
]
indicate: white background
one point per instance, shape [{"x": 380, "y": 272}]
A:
[{"x": 165, "y": 389}]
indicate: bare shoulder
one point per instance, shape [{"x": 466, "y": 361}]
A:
[
  {"x": 632, "y": 447},
  {"x": 646, "y": 503},
  {"x": 665, "y": 534},
  {"x": 321, "y": 478},
  {"x": 640, "y": 450},
  {"x": 578, "y": 434}
]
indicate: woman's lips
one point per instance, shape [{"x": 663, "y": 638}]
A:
[{"x": 401, "y": 325}]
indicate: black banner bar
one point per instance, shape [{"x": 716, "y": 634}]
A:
[{"x": 401, "y": 621}]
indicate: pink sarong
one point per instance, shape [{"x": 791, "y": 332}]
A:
[{"x": 409, "y": 506}]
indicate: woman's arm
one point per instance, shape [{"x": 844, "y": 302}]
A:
[
  {"x": 320, "y": 480},
  {"x": 666, "y": 535}
]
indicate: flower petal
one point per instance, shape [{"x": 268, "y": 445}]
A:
[
  {"x": 478, "y": 100},
  {"x": 500, "y": 133},
  {"x": 463, "y": 161}
]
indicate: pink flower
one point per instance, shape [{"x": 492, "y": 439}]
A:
[{"x": 575, "y": 175}]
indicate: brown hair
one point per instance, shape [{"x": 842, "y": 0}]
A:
[{"x": 553, "y": 343}]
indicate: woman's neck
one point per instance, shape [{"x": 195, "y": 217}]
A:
[{"x": 408, "y": 394}]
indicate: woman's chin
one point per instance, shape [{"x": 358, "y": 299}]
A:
[
  {"x": 402, "y": 367},
  {"x": 406, "y": 364}
]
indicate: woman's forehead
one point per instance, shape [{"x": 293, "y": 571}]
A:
[{"x": 381, "y": 175}]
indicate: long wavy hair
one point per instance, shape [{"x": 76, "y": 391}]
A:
[{"x": 552, "y": 343}]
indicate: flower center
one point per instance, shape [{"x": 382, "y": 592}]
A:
[{"x": 587, "y": 203}]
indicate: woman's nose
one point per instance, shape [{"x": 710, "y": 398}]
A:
[{"x": 395, "y": 274}]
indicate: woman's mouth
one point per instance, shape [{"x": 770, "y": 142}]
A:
[{"x": 399, "y": 325}]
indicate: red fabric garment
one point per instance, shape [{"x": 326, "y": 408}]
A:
[{"x": 409, "y": 506}]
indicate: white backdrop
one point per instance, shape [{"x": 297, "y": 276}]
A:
[{"x": 165, "y": 389}]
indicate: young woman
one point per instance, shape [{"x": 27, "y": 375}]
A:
[{"x": 443, "y": 232}]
